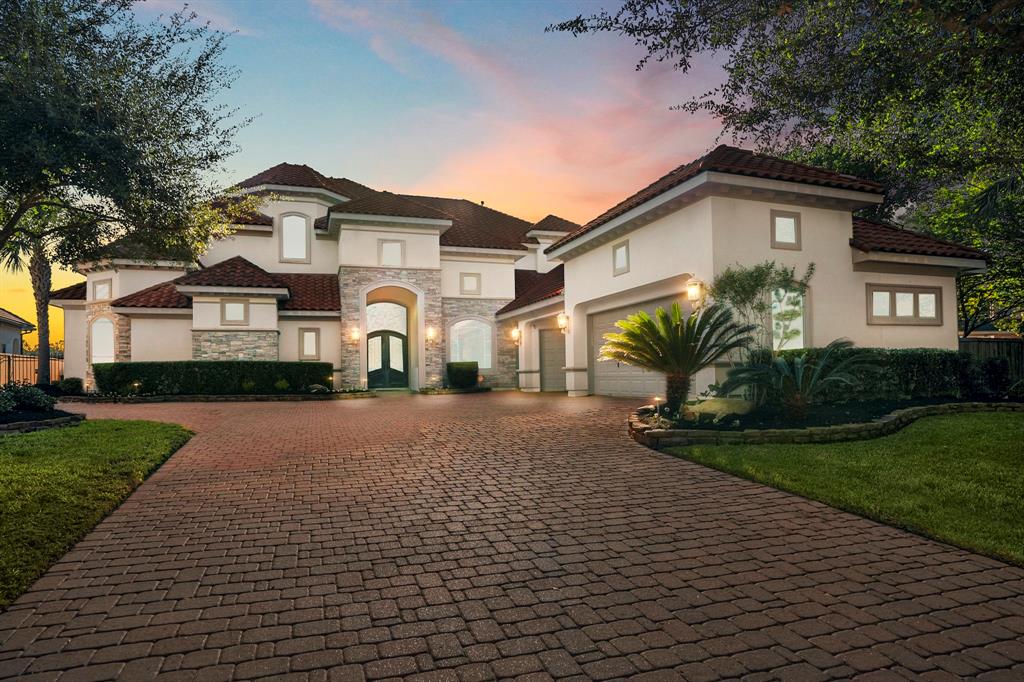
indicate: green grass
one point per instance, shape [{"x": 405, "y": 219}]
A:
[
  {"x": 956, "y": 478},
  {"x": 56, "y": 485}
]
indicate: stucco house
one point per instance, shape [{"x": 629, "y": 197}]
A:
[
  {"x": 389, "y": 287},
  {"x": 11, "y": 329}
]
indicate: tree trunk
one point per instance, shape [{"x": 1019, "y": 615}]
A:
[
  {"x": 677, "y": 388},
  {"x": 40, "y": 272}
]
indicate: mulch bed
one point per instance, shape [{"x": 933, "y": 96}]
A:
[{"x": 31, "y": 416}]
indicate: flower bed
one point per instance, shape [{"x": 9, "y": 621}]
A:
[
  {"x": 21, "y": 421},
  {"x": 658, "y": 438}
]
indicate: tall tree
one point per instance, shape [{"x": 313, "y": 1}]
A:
[{"x": 116, "y": 123}]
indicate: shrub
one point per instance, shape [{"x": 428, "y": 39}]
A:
[
  {"x": 463, "y": 374},
  {"x": 27, "y": 397},
  {"x": 317, "y": 388},
  {"x": 995, "y": 373},
  {"x": 210, "y": 377},
  {"x": 7, "y": 403},
  {"x": 282, "y": 385},
  {"x": 71, "y": 386}
]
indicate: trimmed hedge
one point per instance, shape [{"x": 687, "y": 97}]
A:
[
  {"x": 209, "y": 377},
  {"x": 463, "y": 374}
]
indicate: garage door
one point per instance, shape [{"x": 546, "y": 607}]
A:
[
  {"x": 612, "y": 378},
  {"x": 552, "y": 360}
]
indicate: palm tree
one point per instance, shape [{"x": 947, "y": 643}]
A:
[
  {"x": 29, "y": 250},
  {"x": 675, "y": 345}
]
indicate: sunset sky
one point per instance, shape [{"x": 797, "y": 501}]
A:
[{"x": 460, "y": 99}]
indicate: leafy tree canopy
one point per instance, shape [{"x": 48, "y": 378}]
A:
[{"x": 114, "y": 122}]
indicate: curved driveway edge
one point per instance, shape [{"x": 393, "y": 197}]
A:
[{"x": 473, "y": 537}]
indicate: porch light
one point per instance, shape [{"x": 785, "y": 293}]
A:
[
  {"x": 695, "y": 290},
  {"x": 563, "y": 322},
  {"x": 353, "y": 335},
  {"x": 431, "y": 334},
  {"x": 515, "y": 335}
]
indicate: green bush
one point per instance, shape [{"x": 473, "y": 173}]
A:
[
  {"x": 463, "y": 374},
  {"x": 71, "y": 386},
  {"x": 7, "y": 403},
  {"x": 26, "y": 397},
  {"x": 208, "y": 377}
]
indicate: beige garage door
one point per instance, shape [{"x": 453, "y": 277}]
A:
[
  {"x": 552, "y": 360},
  {"x": 612, "y": 378}
]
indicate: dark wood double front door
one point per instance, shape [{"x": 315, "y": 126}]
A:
[{"x": 387, "y": 360}]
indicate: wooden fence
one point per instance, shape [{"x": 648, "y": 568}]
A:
[
  {"x": 1011, "y": 349},
  {"x": 22, "y": 368}
]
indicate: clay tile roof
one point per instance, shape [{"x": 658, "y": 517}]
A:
[
  {"x": 526, "y": 279},
  {"x": 301, "y": 175},
  {"x": 553, "y": 223},
  {"x": 311, "y": 291},
  {"x": 548, "y": 285},
  {"x": 7, "y": 317},
  {"x": 869, "y": 235},
  {"x": 233, "y": 272},
  {"x": 163, "y": 295},
  {"x": 75, "y": 292},
  {"x": 475, "y": 225},
  {"x": 388, "y": 204},
  {"x": 736, "y": 161}
]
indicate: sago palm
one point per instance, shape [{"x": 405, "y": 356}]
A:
[{"x": 678, "y": 346}]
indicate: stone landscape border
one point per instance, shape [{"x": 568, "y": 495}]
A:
[
  {"x": 41, "y": 424},
  {"x": 659, "y": 439},
  {"x": 288, "y": 397}
]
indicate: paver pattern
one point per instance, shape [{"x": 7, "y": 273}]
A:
[{"x": 490, "y": 536}]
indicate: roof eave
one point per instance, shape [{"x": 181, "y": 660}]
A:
[
  {"x": 957, "y": 263},
  {"x": 526, "y": 310},
  {"x": 197, "y": 289}
]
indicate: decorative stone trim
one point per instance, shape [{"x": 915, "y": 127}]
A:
[
  {"x": 235, "y": 344},
  {"x": 659, "y": 439},
  {"x": 353, "y": 395},
  {"x": 41, "y": 424}
]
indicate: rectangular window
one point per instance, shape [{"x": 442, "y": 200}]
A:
[
  {"x": 898, "y": 304},
  {"x": 391, "y": 253},
  {"x": 101, "y": 290},
  {"x": 788, "y": 320},
  {"x": 309, "y": 344},
  {"x": 234, "y": 312},
  {"x": 294, "y": 239},
  {"x": 469, "y": 283},
  {"x": 785, "y": 230},
  {"x": 620, "y": 259}
]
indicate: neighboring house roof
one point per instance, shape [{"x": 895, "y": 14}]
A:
[
  {"x": 553, "y": 223},
  {"x": 548, "y": 285},
  {"x": 870, "y": 235},
  {"x": 301, "y": 175},
  {"x": 388, "y": 204},
  {"x": 163, "y": 295},
  {"x": 75, "y": 292},
  {"x": 475, "y": 225},
  {"x": 10, "y": 319},
  {"x": 233, "y": 272},
  {"x": 735, "y": 161}
]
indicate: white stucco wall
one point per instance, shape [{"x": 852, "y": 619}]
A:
[
  {"x": 74, "y": 342},
  {"x": 497, "y": 278},
  {"x": 161, "y": 337},
  {"x": 330, "y": 338},
  {"x": 358, "y": 246},
  {"x": 206, "y": 314},
  {"x": 838, "y": 296}
]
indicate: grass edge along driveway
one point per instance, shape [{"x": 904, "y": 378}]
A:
[
  {"x": 56, "y": 485},
  {"x": 955, "y": 478}
]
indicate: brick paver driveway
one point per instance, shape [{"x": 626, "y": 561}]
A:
[{"x": 501, "y": 535}]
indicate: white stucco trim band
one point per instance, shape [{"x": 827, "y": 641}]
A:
[
  {"x": 483, "y": 251},
  {"x": 180, "y": 312},
  {"x": 309, "y": 313},
  {"x": 368, "y": 217},
  {"x": 244, "y": 291}
]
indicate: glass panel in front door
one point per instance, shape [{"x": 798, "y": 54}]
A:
[{"x": 396, "y": 356}]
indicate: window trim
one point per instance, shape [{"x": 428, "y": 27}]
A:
[
  {"x": 225, "y": 322},
  {"x": 788, "y": 246},
  {"x": 449, "y": 338},
  {"x": 466, "y": 291},
  {"x": 380, "y": 252},
  {"x": 616, "y": 271},
  {"x": 892, "y": 319},
  {"x": 110, "y": 286},
  {"x": 316, "y": 334},
  {"x": 280, "y": 240}
]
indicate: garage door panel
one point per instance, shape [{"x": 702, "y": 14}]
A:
[
  {"x": 552, "y": 360},
  {"x": 617, "y": 379}
]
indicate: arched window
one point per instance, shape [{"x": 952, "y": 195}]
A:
[
  {"x": 101, "y": 340},
  {"x": 294, "y": 239},
  {"x": 472, "y": 340}
]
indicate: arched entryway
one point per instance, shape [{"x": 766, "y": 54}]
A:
[{"x": 387, "y": 345}]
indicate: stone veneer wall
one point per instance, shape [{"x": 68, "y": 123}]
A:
[
  {"x": 122, "y": 337},
  {"x": 352, "y": 280},
  {"x": 506, "y": 357},
  {"x": 235, "y": 345}
]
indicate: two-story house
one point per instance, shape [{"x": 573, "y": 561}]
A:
[{"x": 389, "y": 287}]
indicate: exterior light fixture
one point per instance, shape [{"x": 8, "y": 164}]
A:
[
  {"x": 354, "y": 335},
  {"x": 516, "y": 334},
  {"x": 431, "y": 335},
  {"x": 694, "y": 291},
  {"x": 563, "y": 322},
  {"x": 657, "y": 405}
]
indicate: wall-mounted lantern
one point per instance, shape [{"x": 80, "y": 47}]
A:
[
  {"x": 563, "y": 322},
  {"x": 516, "y": 335},
  {"x": 354, "y": 335},
  {"x": 695, "y": 291},
  {"x": 431, "y": 335}
]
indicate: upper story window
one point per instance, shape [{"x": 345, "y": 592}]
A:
[
  {"x": 309, "y": 344},
  {"x": 785, "y": 230},
  {"x": 234, "y": 312},
  {"x": 391, "y": 253},
  {"x": 469, "y": 283},
  {"x": 896, "y": 304},
  {"x": 295, "y": 239},
  {"x": 788, "y": 312},
  {"x": 101, "y": 289},
  {"x": 620, "y": 259}
]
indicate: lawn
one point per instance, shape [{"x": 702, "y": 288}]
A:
[
  {"x": 955, "y": 478},
  {"x": 56, "y": 485}
]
